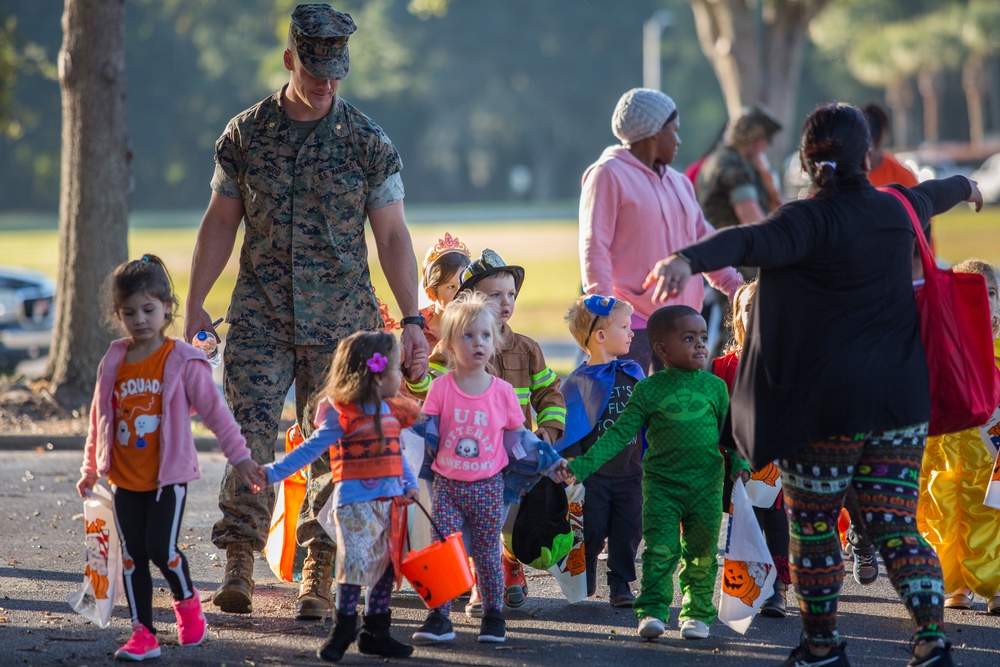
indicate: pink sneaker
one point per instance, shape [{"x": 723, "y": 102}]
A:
[
  {"x": 191, "y": 624},
  {"x": 141, "y": 646}
]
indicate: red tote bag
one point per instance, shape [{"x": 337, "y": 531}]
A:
[{"x": 955, "y": 327}]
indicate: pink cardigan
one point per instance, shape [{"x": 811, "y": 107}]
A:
[
  {"x": 630, "y": 218},
  {"x": 187, "y": 388}
]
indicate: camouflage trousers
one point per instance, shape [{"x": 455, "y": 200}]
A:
[{"x": 259, "y": 371}]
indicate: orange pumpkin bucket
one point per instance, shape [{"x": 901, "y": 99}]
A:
[{"x": 439, "y": 572}]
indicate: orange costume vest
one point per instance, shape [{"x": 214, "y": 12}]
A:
[{"x": 360, "y": 454}]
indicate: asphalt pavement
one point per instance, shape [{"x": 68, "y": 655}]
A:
[{"x": 41, "y": 562}]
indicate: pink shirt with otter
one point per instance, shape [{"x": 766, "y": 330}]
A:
[{"x": 472, "y": 427}]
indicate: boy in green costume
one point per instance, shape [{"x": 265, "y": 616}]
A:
[{"x": 683, "y": 408}]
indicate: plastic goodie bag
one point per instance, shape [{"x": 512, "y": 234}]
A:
[
  {"x": 95, "y": 599},
  {"x": 283, "y": 554},
  {"x": 748, "y": 572},
  {"x": 571, "y": 571},
  {"x": 990, "y": 434},
  {"x": 764, "y": 486}
]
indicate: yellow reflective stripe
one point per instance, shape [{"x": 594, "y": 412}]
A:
[
  {"x": 419, "y": 387},
  {"x": 523, "y": 395},
  {"x": 437, "y": 369},
  {"x": 554, "y": 413},
  {"x": 542, "y": 379}
]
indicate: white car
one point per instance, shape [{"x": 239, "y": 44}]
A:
[
  {"x": 988, "y": 179},
  {"x": 26, "y": 312}
]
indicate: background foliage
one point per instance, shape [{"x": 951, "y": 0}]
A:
[{"x": 468, "y": 90}]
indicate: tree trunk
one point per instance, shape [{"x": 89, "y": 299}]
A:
[
  {"x": 94, "y": 190},
  {"x": 757, "y": 55},
  {"x": 929, "y": 84},
  {"x": 974, "y": 83},
  {"x": 899, "y": 97}
]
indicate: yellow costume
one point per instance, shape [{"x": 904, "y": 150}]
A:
[{"x": 951, "y": 515}]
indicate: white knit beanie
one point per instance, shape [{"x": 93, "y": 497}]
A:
[{"x": 641, "y": 113}]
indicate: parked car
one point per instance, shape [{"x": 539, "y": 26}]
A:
[
  {"x": 988, "y": 179},
  {"x": 928, "y": 163},
  {"x": 26, "y": 312}
]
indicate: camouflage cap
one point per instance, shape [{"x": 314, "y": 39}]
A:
[
  {"x": 319, "y": 34},
  {"x": 752, "y": 123}
]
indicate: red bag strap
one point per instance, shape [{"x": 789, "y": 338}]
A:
[{"x": 925, "y": 250}]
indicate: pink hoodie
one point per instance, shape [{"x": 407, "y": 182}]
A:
[
  {"x": 187, "y": 388},
  {"x": 630, "y": 218}
]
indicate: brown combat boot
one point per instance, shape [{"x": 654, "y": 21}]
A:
[
  {"x": 235, "y": 596},
  {"x": 315, "y": 595}
]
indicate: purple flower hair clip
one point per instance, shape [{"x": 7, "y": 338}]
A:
[{"x": 377, "y": 363}]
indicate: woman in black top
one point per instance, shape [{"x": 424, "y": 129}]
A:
[{"x": 833, "y": 379}]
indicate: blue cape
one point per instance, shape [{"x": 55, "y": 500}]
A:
[{"x": 587, "y": 391}]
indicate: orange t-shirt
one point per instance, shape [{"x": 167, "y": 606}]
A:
[
  {"x": 137, "y": 404},
  {"x": 891, "y": 171}
]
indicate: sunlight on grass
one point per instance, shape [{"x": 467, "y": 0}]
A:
[{"x": 546, "y": 249}]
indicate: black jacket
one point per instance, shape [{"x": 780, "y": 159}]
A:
[{"x": 833, "y": 347}]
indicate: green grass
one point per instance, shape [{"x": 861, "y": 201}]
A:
[{"x": 546, "y": 249}]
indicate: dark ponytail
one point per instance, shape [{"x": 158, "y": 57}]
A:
[{"x": 835, "y": 139}]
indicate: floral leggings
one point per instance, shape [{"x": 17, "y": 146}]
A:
[{"x": 884, "y": 468}]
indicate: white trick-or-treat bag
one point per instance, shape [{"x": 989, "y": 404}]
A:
[
  {"x": 748, "y": 573},
  {"x": 95, "y": 599}
]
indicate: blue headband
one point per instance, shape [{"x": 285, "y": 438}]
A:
[{"x": 600, "y": 306}]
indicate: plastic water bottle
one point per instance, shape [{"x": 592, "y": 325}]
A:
[{"x": 205, "y": 341}]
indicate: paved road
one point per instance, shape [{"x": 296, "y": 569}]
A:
[{"x": 41, "y": 534}]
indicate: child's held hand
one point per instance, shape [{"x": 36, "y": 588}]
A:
[
  {"x": 252, "y": 474},
  {"x": 412, "y": 495},
  {"x": 85, "y": 485},
  {"x": 742, "y": 474},
  {"x": 561, "y": 473}
]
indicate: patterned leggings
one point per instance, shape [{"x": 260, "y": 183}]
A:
[
  {"x": 479, "y": 506},
  {"x": 884, "y": 468}
]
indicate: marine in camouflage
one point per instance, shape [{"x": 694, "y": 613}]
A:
[
  {"x": 725, "y": 180},
  {"x": 303, "y": 281}
]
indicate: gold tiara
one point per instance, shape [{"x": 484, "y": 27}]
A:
[
  {"x": 444, "y": 246},
  {"x": 448, "y": 244}
]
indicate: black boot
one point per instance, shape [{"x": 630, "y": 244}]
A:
[
  {"x": 376, "y": 640},
  {"x": 774, "y": 606},
  {"x": 342, "y": 635}
]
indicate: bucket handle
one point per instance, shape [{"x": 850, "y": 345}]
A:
[{"x": 437, "y": 530}]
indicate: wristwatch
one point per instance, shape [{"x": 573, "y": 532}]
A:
[{"x": 413, "y": 319}]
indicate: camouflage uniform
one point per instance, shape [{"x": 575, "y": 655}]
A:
[
  {"x": 303, "y": 281},
  {"x": 725, "y": 180}
]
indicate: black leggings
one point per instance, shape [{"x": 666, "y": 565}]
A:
[{"x": 148, "y": 525}]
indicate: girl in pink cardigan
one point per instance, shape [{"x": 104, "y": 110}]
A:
[{"x": 140, "y": 437}]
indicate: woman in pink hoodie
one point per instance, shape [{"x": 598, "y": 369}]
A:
[
  {"x": 634, "y": 206},
  {"x": 140, "y": 437}
]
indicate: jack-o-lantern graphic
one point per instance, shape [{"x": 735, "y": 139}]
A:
[
  {"x": 98, "y": 539},
  {"x": 768, "y": 474},
  {"x": 743, "y": 580},
  {"x": 576, "y": 560}
]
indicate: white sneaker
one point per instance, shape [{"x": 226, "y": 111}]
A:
[
  {"x": 650, "y": 628},
  {"x": 694, "y": 629}
]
